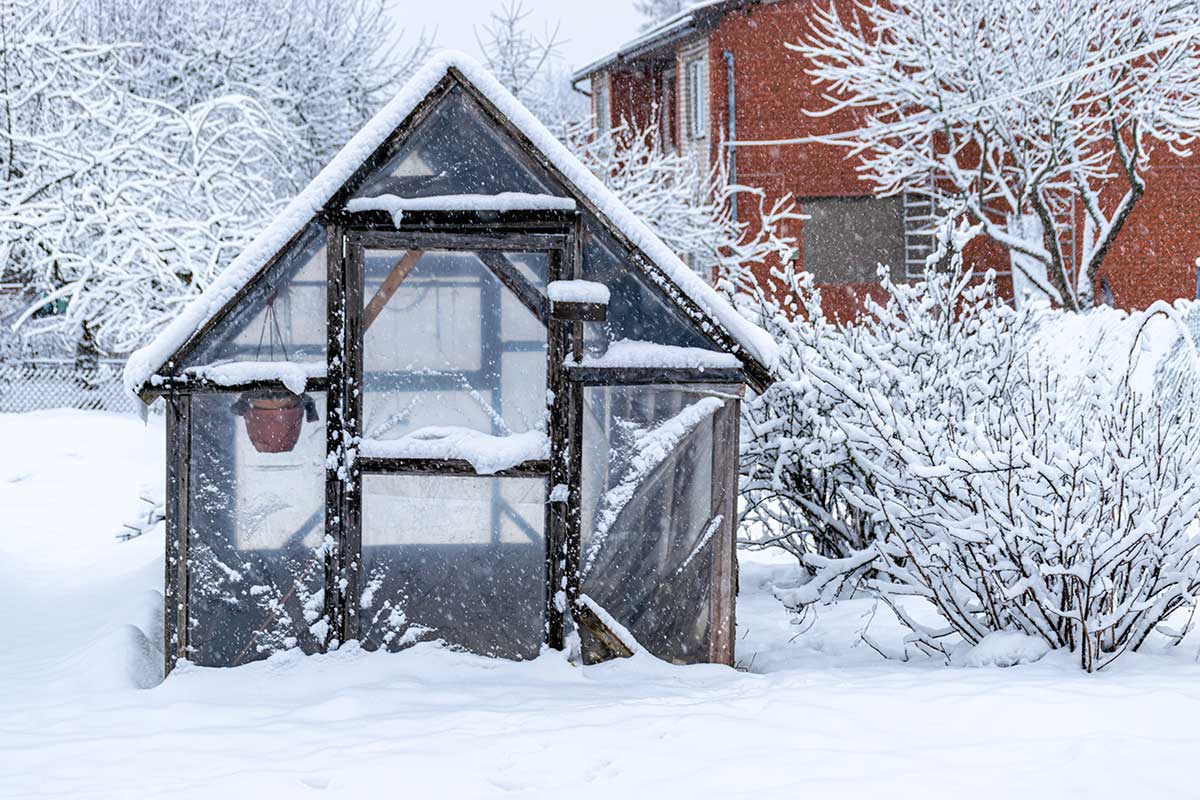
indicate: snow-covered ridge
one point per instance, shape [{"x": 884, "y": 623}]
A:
[
  {"x": 146, "y": 361},
  {"x": 632, "y": 353},
  {"x": 578, "y": 292},
  {"x": 504, "y": 201},
  {"x": 486, "y": 453}
]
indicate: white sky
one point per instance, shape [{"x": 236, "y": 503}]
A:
[{"x": 591, "y": 28}]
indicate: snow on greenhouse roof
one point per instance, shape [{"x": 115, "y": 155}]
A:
[{"x": 147, "y": 361}]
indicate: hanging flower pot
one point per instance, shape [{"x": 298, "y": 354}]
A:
[{"x": 274, "y": 418}]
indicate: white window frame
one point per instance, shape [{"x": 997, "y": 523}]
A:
[
  {"x": 601, "y": 105},
  {"x": 696, "y": 93}
]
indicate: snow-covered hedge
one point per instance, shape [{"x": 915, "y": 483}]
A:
[{"x": 1015, "y": 469}]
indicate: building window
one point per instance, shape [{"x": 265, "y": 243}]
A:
[
  {"x": 600, "y": 106},
  {"x": 696, "y": 98},
  {"x": 846, "y": 238}
]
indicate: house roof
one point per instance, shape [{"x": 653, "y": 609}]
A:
[
  {"x": 756, "y": 344},
  {"x": 670, "y": 30}
]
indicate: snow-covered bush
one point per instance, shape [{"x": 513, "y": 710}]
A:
[{"x": 938, "y": 450}]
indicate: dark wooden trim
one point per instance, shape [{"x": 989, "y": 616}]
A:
[
  {"x": 723, "y": 586},
  {"x": 335, "y": 456},
  {"x": 513, "y": 241},
  {"x": 567, "y": 337},
  {"x": 448, "y": 467},
  {"x": 351, "y": 510},
  {"x": 175, "y": 561},
  {"x": 508, "y": 274},
  {"x": 578, "y": 312},
  {"x": 642, "y": 376},
  {"x": 432, "y": 221},
  {"x": 558, "y": 500}
]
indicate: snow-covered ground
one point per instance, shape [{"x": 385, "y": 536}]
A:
[{"x": 812, "y": 714}]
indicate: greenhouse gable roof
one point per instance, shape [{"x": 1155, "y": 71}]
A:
[{"x": 754, "y": 347}]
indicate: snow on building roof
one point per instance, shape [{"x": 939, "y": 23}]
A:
[
  {"x": 148, "y": 360},
  {"x": 674, "y": 26}
]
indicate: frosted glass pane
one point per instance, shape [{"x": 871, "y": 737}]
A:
[
  {"x": 650, "y": 527},
  {"x": 457, "y": 150},
  {"x": 635, "y": 310},
  {"x": 282, "y": 317},
  {"x": 447, "y": 344},
  {"x": 454, "y": 558},
  {"x": 256, "y": 521}
]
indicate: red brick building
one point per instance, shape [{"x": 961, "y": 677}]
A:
[{"x": 721, "y": 72}]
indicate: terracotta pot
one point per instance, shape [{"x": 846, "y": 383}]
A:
[{"x": 273, "y": 420}]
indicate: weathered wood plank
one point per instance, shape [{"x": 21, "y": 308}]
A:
[
  {"x": 178, "y": 460},
  {"x": 448, "y": 467},
  {"x": 723, "y": 606},
  {"x": 641, "y": 376},
  {"x": 389, "y": 287}
]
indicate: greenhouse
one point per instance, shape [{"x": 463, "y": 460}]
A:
[{"x": 455, "y": 392}]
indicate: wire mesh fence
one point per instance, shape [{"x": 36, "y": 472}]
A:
[{"x": 36, "y": 384}]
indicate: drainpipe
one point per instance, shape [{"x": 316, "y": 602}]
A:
[{"x": 731, "y": 125}]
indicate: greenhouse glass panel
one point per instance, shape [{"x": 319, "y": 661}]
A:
[
  {"x": 454, "y": 558},
  {"x": 457, "y": 150},
  {"x": 651, "y": 524},
  {"x": 446, "y": 343},
  {"x": 283, "y": 316},
  {"x": 636, "y": 310},
  {"x": 255, "y": 565}
]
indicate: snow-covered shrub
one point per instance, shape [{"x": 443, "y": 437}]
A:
[
  {"x": 935, "y": 450},
  {"x": 929, "y": 341}
]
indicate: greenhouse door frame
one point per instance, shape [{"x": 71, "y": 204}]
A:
[{"x": 557, "y": 234}]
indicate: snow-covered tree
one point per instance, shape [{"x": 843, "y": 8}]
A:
[
  {"x": 1021, "y": 114},
  {"x": 687, "y": 206},
  {"x": 152, "y": 138},
  {"x": 655, "y": 11},
  {"x": 518, "y": 57}
]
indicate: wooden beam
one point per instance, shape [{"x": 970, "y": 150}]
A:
[
  {"x": 579, "y": 312},
  {"x": 186, "y": 384},
  {"x": 389, "y": 287},
  {"x": 516, "y": 240},
  {"x": 452, "y": 467},
  {"x": 335, "y": 415},
  {"x": 723, "y": 579},
  {"x": 608, "y": 640},
  {"x": 175, "y": 602},
  {"x": 642, "y": 376},
  {"x": 508, "y": 274}
]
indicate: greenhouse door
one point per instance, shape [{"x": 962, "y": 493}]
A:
[{"x": 444, "y": 441}]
